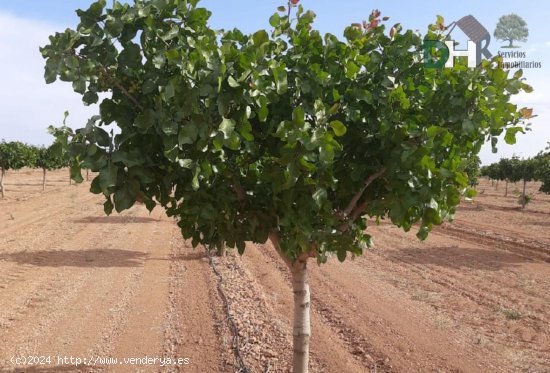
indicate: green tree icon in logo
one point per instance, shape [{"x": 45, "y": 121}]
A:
[{"x": 511, "y": 28}]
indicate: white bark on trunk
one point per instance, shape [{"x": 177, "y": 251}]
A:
[
  {"x": 302, "y": 325},
  {"x": 221, "y": 250},
  {"x": 523, "y": 198},
  {"x": 2, "y": 182},
  {"x": 302, "y": 305},
  {"x": 44, "y": 179}
]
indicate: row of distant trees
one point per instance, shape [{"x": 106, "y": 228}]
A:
[
  {"x": 515, "y": 170},
  {"x": 15, "y": 155}
]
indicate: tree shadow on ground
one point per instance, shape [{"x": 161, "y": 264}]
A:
[
  {"x": 96, "y": 258},
  {"x": 192, "y": 254},
  {"x": 458, "y": 257},
  {"x": 527, "y": 210},
  {"x": 115, "y": 220},
  {"x": 25, "y": 184},
  {"x": 537, "y": 222}
]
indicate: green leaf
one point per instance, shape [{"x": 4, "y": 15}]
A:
[
  {"x": 423, "y": 232},
  {"x": 90, "y": 98},
  {"x": 195, "y": 183},
  {"x": 526, "y": 88},
  {"x": 341, "y": 254},
  {"x": 79, "y": 86},
  {"x": 114, "y": 26},
  {"x": 95, "y": 188},
  {"x": 263, "y": 111},
  {"x": 470, "y": 193},
  {"x": 227, "y": 127},
  {"x": 169, "y": 127},
  {"x": 338, "y": 127},
  {"x": 148, "y": 86},
  {"x": 513, "y": 86},
  {"x": 260, "y": 37},
  {"x": 320, "y": 196},
  {"x": 145, "y": 120},
  {"x": 468, "y": 126},
  {"x": 510, "y": 138},
  {"x": 351, "y": 70},
  {"x": 232, "y": 82},
  {"x": 108, "y": 177},
  {"x": 108, "y": 207},
  {"x": 173, "y": 54},
  {"x": 511, "y": 133},
  {"x": 125, "y": 196},
  {"x": 129, "y": 158},
  {"x": 169, "y": 91},
  {"x": 186, "y": 163},
  {"x": 298, "y": 116},
  {"x": 130, "y": 56},
  {"x": 281, "y": 79},
  {"x": 188, "y": 134},
  {"x": 76, "y": 174},
  {"x": 275, "y": 20}
]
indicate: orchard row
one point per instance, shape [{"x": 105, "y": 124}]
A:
[
  {"x": 515, "y": 169},
  {"x": 15, "y": 155}
]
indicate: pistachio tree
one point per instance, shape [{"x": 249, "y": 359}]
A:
[
  {"x": 542, "y": 170},
  {"x": 521, "y": 170},
  {"x": 506, "y": 169},
  {"x": 14, "y": 155},
  {"x": 472, "y": 168},
  {"x": 285, "y": 135},
  {"x": 48, "y": 159}
]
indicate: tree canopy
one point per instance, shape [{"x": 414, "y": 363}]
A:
[
  {"x": 48, "y": 159},
  {"x": 15, "y": 155},
  {"x": 542, "y": 171},
  {"x": 290, "y": 131}
]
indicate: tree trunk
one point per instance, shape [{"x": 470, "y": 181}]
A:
[
  {"x": 221, "y": 249},
  {"x": 302, "y": 326},
  {"x": 44, "y": 179},
  {"x": 2, "y": 182},
  {"x": 511, "y": 41},
  {"x": 506, "y": 193},
  {"x": 523, "y": 197},
  {"x": 87, "y": 175},
  {"x": 302, "y": 305},
  {"x": 496, "y": 186}
]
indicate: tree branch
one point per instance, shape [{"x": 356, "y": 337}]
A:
[
  {"x": 117, "y": 84},
  {"x": 351, "y": 205},
  {"x": 239, "y": 191},
  {"x": 122, "y": 89},
  {"x": 357, "y": 212},
  {"x": 274, "y": 237}
]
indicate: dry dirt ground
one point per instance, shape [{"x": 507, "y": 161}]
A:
[{"x": 474, "y": 297}]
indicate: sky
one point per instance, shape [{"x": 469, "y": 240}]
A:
[{"x": 28, "y": 106}]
